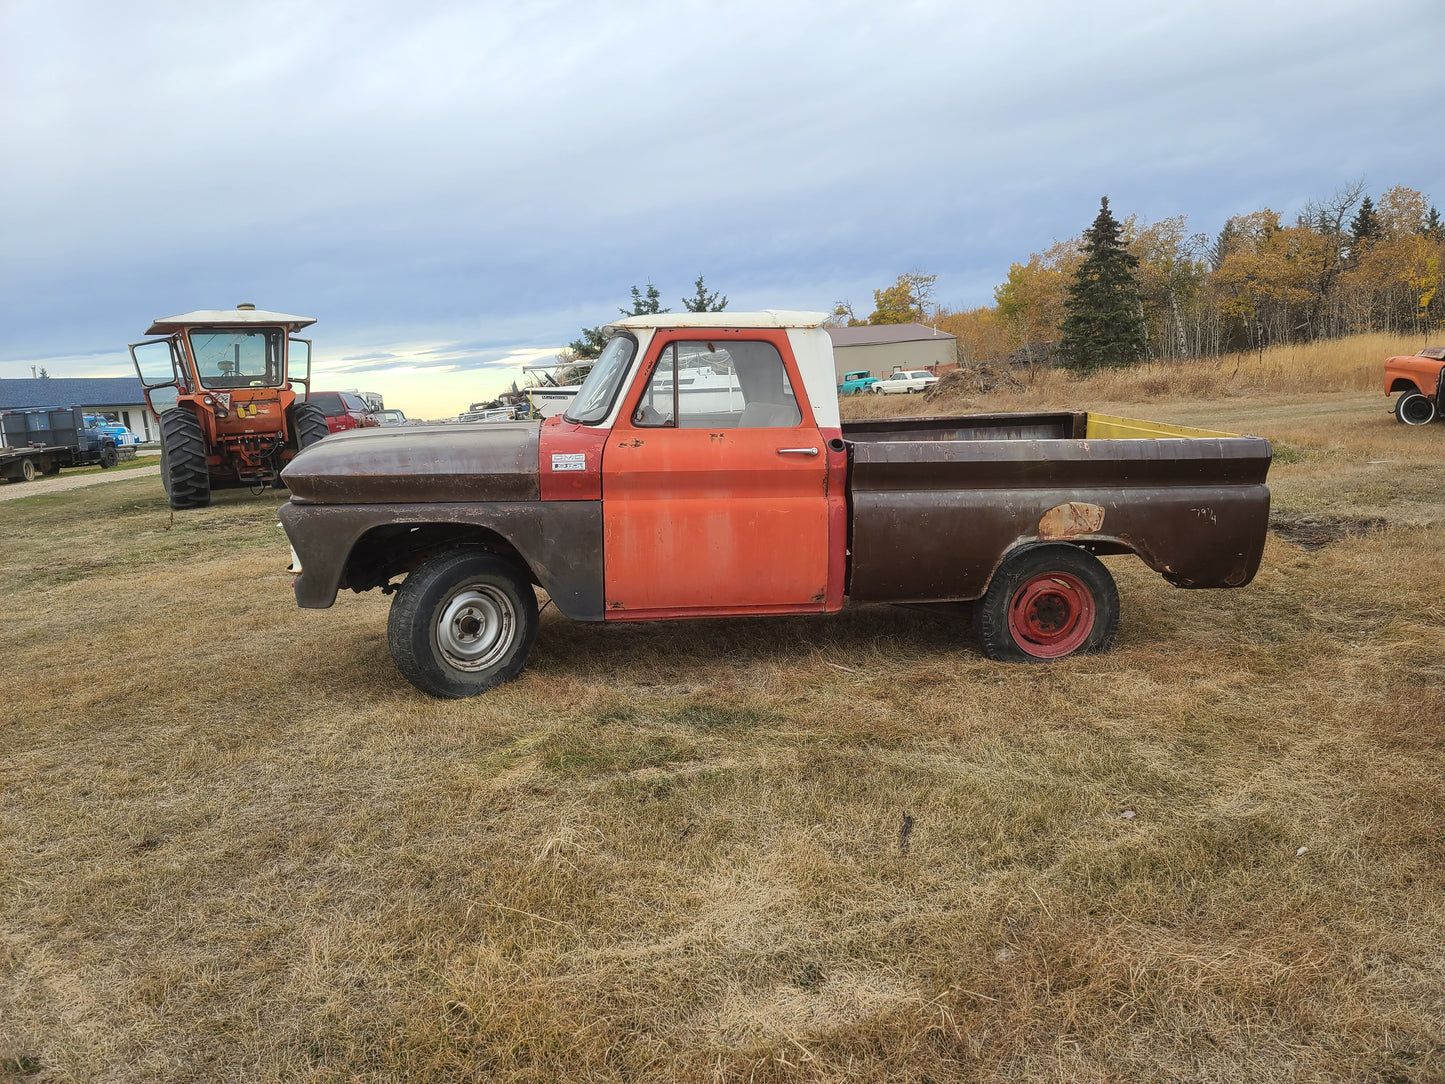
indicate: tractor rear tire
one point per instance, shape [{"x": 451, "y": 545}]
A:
[
  {"x": 1412, "y": 408},
  {"x": 183, "y": 460},
  {"x": 462, "y": 622},
  {"x": 1045, "y": 603},
  {"x": 308, "y": 423}
]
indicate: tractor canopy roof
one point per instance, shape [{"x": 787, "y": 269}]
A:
[{"x": 249, "y": 316}]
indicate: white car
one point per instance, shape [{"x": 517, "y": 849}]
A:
[{"x": 909, "y": 380}]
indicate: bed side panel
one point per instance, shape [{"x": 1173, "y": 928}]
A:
[{"x": 931, "y": 521}]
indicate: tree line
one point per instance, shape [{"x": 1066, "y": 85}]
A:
[{"x": 1347, "y": 264}]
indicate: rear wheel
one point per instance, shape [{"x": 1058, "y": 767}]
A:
[
  {"x": 461, "y": 623},
  {"x": 1412, "y": 408},
  {"x": 308, "y": 423},
  {"x": 1047, "y": 602},
  {"x": 27, "y": 470},
  {"x": 183, "y": 460}
]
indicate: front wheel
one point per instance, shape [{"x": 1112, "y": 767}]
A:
[
  {"x": 184, "y": 472},
  {"x": 461, "y": 623},
  {"x": 109, "y": 457},
  {"x": 1412, "y": 408},
  {"x": 1047, "y": 602}
]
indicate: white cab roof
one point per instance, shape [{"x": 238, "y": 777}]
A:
[
  {"x": 766, "y": 318},
  {"x": 168, "y": 325}
]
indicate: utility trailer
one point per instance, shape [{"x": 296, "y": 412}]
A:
[{"x": 41, "y": 441}]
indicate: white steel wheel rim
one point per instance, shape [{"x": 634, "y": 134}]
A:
[
  {"x": 476, "y": 627},
  {"x": 1413, "y": 413}
]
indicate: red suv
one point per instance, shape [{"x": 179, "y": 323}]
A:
[{"x": 343, "y": 410}]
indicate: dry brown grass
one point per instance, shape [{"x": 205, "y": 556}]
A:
[
  {"x": 1352, "y": 364},
  {"x": 235, "y": 845}
]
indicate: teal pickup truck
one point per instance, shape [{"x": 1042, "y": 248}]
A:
[{"x": 853, "y": 383}]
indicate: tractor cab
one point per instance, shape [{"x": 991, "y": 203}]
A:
[{"x": 224, "y": 384}]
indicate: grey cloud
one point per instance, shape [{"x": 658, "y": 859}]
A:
[{"x": 489, "y": 176}]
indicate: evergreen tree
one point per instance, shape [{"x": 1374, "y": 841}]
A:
[
  {"x": 1434, "y": 228},
  {"x": 703, "y": 301},
  {"x": 1366, "y": 224},
  {"x": 590, "y": 344},
  {"x": 1103, "y": 322},
  {"x": 593, "y": 339},
  {"x": 649, "y": 305}
]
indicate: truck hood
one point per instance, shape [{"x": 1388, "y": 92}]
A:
[{"x": 494, "y": 461}]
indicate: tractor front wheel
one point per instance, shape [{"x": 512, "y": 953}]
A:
[
  {"x": 1047, "y": 602},
  {"x": 461, "y": 623},
  {"x": 183, "y": 460},
  {"x": 1412, "y": 408}
]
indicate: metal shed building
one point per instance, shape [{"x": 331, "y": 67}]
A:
[{"x": 882, "y": 348}]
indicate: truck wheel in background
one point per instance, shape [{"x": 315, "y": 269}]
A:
[
  {"x": 1412, "y": 408},
  {"x": 461, "y": 623},
  {"x": 1046, "y": 602},
  {"x": 52, "y": 465},
  {"x": 183, "y": 460},
  {"x": 308, "y": 423},
  {"x": 27, "y": 471},
  {"x": 109, "y": 457}
]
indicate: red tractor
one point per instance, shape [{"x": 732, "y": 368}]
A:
[{"x": 222, "y": 383}]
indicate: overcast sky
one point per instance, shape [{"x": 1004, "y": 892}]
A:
[{"x": 451, "y": 187}]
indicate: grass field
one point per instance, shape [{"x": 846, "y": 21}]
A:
[{"x": 235, "y": 845}]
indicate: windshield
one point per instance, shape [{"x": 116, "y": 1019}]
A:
[
  {"x": 237, "y": 357},
  {"x": 595, "y": 397}
]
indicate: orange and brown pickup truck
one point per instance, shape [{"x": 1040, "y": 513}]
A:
[
  {"x": 1420, "y": 380},
  {"x": 702, "y": 470}
]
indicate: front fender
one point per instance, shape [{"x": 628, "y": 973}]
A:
[{"x": 561, "y": 542}]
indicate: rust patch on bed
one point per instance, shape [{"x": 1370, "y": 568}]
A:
[{"x": 1070, "y": 520}]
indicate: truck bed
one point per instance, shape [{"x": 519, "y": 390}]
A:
[{"x": 936, "y": 501}]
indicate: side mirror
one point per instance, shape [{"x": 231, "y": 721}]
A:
[{"x": 298, "y": 363}]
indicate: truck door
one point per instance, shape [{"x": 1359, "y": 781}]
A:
[{"x": 714, "y": 482}]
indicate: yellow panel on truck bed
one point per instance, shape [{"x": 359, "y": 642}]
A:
[{"x": 1108, "y": 427}]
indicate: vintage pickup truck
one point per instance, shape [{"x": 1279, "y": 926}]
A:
[{"x": 702, "y": 470}]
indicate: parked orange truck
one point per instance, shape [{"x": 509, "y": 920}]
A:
[
  {"x": 1419, "y": 380},
  {"x": 702, "y": 470}
]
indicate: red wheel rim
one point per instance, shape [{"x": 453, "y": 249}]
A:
[{"x": 1051, "y": 615}]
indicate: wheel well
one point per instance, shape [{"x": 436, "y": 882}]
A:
[
  {"x": 395, "y": 549},
  {"x": 1401, "y": 384}
]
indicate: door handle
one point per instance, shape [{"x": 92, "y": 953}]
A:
[{"x": 797, "y": 451}]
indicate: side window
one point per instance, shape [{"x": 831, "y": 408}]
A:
[
  {"x": 708, "y": 385},
  {"x": 658, "y": 404}
]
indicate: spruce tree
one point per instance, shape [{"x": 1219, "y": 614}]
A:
[
  {"x": 1366, "y": 225},
  {"x": 1104, "y": 314}
]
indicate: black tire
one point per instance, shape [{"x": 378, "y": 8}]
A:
[
  {"x": 461, "y": 623},
  {"x": 109, "y": 457},
  {"x": 183, "y": 460},
  {"x": 1045, "y": 603},
  {"x": 308, "y": 424},
  {"x": 1412, "y": 408}
]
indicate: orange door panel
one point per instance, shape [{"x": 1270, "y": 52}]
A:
[{"x": 701, "y": 522}]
